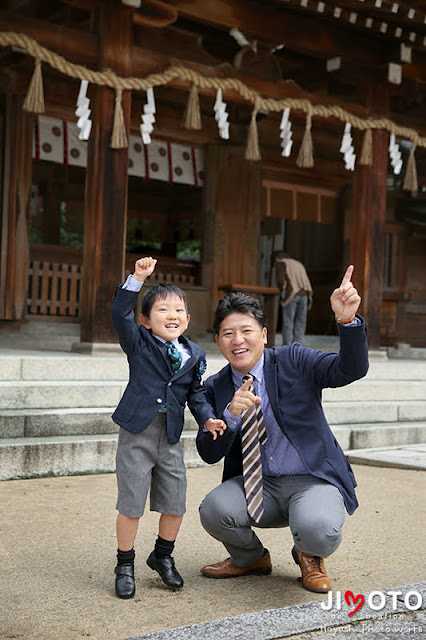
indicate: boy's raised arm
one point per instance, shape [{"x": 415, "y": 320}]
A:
[{"x": 123, "y": 306}]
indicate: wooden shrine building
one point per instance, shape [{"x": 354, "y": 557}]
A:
[{"x": 210, "y": 134}]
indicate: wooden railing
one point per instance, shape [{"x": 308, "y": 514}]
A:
[
  {"x": 175, "y": 270},
  {"x": 54, "y": 289},
  {"x": 174, "y": 278}
]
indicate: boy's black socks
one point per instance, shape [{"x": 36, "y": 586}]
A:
[
  {"x": 163, "y": 548},
  {"x": 125, "y": 557}
]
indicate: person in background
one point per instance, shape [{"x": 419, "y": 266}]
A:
[{"x": 296, "y": 295}]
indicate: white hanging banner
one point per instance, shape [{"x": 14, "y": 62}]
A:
[
  {"x": 83, "y": 112},
  {"x": 286, "y": 133},
  {"x": 395, "y": 155},
  {"x": 347, "y": 148},
  {"x": 221, "y": 116},
  {"x": 148, "y": 118}
]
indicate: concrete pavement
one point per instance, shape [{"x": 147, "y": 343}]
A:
[{"x": 57, "y": 556}]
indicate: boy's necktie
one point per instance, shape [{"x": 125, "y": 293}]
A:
[
  {"x": 253, "y": 433},
  {"x": 174, "y": 355}
]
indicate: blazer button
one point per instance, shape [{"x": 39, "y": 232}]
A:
[
  {"x": 169, "y": 384},
  {"x": 159, "y": 400}
]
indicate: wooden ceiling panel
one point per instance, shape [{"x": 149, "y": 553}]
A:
[{"x": 200, "y": 38}]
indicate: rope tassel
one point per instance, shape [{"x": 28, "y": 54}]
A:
[
  {"x": 34, "y": 100},
  {"x": 411, "y": 182},
  {"x": 366, "y": 158},
  {"x": 192, "y": 119},
  {"x": 119, "y": 137},
  {"x": 305, "y": 158},
  {"x": 252, "y": 148}
]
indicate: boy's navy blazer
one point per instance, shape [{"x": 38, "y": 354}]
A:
[
  {"x": 294, "y": 379},
  {"x": 151, "y": 382}
]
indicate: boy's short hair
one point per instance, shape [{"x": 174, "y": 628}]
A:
[
  {"x": 237, "y": 302},
  {"x": 161, "y": 292}
]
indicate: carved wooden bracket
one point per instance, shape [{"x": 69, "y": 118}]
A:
[{"x": 153, "y": 13}]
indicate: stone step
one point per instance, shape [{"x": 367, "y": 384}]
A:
[
  {"x": 403, "y": 370},
  {"x": 72, "y": 366},
  {"x": 30, "y": 423},
  {"x": 77, "y": 454},
  {"x": 20, "y": 423},
  {"x": 64, "y": 367},
  {"x": 348, "y": 412},
  {"x": 94, "y": 393},
  {"x": 412, "y": 456},
  {"x": 377, "y": 390},
  {"x": 70, "y": 455},
  {"x": 35, "y": 423},
  {"x": 59, "y": 394},
  {"x": 376, "y": 434}
]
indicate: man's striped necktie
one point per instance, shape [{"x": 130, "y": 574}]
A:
[{"x": 253, "y": 433}]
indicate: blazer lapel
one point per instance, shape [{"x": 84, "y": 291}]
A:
[
  {"x": 189, "y": 363},
  {"x": 156, "y": 344},
  {"x": 271, "y": 383},
  {"x": 223, "y": 389},
  {"x": 163, "y": 350}
]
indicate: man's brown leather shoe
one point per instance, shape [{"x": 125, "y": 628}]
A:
[
  {"x": 314, "y": 575},
  {"x": 226, "y": 569}
]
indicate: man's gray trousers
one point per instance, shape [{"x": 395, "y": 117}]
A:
[{"x": 312, "y": 508}]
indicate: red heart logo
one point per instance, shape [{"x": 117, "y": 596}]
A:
[{"x": 359, "y": 598}]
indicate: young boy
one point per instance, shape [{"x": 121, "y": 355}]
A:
[{"x": 165, "y": 372}]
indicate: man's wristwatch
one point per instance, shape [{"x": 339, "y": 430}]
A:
[{"x": 342, "y": 321}]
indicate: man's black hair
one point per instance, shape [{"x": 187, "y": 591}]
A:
[
  {"x": 277, "y": 255},
  {"x": 238, "y": 303},
  {"x": 161, "y": 292}
]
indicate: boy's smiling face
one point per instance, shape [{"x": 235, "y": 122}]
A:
[{"x": 168, "y": 317}]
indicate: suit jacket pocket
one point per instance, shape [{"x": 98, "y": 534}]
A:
[{"x": 128, "y": 405}]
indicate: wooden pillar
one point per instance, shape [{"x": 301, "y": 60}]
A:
[
  {"x": 367, "y": 234},
  {"x": 231, "y": 239},
  {"x": 105, "y": 214},
  {"x": 17, "y": 172}
]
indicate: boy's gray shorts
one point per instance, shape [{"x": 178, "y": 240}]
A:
[{"x": 147, "y": 460}]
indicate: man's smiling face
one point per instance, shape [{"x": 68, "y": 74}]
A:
[
  {"x": 241, "y": 340},
  {"x": 168, "y": 318}
]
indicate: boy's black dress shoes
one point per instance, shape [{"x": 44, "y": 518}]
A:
[
  {"x": 166, "y": 569},
  {"x": 125, "y": 581}
]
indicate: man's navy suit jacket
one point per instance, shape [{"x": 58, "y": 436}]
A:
[
  {"x": 151, "y": 382},
  {"x": 294, "y": 378}
]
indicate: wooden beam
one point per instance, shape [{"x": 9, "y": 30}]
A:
[
  {"x": 367, "y": 234},
  {"x": 82, "y": 47},
  {"x": 76, "y": 46},
  {"x": 231, "y": 232},
  {"x": 317, "y": 41},
  {"x": 328, "y": 173},
  {"x": 13, "y": 221},
  {"x": 305, "y": 34},
  {"x": 8, "y": 201},
  {"x": 105, "y": 214}
]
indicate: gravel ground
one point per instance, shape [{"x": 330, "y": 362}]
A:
[{"x": 57, "y": 550}]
